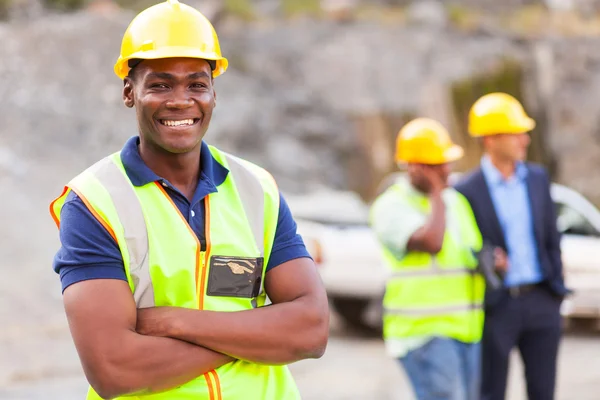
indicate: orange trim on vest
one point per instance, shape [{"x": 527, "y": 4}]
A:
[
  {"x": 217, "y": 384},
  {"x": 96, "y": 215},
  {"x": 201, "y": 293},
  {"x": 207, "y": 251},
  {"x": 209, "y": 384},
  {"x": 204, "y": 273},
  {"x": 54, "y": 216}
]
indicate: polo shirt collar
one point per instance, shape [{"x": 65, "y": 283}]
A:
[{"x": 140, "y": 174}]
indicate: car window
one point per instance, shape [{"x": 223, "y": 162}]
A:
[{"x": 572, "y": 222}]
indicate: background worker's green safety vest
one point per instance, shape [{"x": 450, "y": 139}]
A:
[
  {"x": 435, "y": 295},
  {"x": 166, "y": 266}
]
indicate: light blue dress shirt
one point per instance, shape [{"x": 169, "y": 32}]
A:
[{"x": 513, "y": 208}]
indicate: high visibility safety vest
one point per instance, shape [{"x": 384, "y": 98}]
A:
[
  {"x": 436, "y": 295},
  {"x": 166, "y": 266}
]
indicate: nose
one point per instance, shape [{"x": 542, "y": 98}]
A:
[{"x": 179, "y": 100}]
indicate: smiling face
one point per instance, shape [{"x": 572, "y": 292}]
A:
[{"x": 174, "y": 99}]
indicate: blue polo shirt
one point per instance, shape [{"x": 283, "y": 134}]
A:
[{"x": 88, "y": 251}]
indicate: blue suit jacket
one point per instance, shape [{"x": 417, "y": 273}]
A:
[{"x": 474, "y": 187}]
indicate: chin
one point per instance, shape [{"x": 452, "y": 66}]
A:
[
  {"x": 181, "y": 149},
  {"x": 181, "y": 145}
]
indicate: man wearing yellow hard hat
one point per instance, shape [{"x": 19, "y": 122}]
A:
[
  {"x": 511, "y": 202},
  {"x": 171, "y": 246},
  {"x": 433, "y": 315}
]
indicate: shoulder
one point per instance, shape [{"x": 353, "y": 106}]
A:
[
  {"x": 458, "y": 199},
  {"x": 73, "y": 208},
  {"x": 391, "y": 204},
  {"x": 386, "y": 199},
  {"x": 77, "y": 219},
  {"x": 467, "y": 181},
  {"x": 454, "y": 194},
  {"x": 89, "y": 178},
  {"x": 537, "y": 171},
  {"x": 237, "y": 164}
]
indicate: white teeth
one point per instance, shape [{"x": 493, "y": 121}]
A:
[{"x": 178, "y": 123}]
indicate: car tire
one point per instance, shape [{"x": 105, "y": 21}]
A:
[{"x": 353, "y": 313}]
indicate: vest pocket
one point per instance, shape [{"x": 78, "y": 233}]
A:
[{"x": 235, "y": 276}]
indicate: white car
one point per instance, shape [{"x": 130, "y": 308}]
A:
[{"x": 335, "y": 228}]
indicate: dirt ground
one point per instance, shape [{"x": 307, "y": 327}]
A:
[{"x": 40, "y": 363}]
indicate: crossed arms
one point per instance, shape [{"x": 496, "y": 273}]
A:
[{"x": 126, "y": 351}]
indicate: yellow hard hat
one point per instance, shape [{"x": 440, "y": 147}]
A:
[
  {"x": 498, "y": 113},
  {"x": 426, "y": 141},
  {"x": 170, "y": 29}
]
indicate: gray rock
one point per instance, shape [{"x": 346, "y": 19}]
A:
[{"x": 430, "y": 13}]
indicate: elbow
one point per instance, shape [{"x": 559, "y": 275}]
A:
[
  {"x": 106, "y": 381},
  {"x": 106, "y": 389},
  {"x": 427, "y": 244},
  {"x": 313, "y": 347},
  {"x": 313, "y": 341},
  {"x": 433, "y": 248},
  {"x": 106, "y": 393}
]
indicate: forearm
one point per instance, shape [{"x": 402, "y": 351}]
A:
[
  {"x": 145, "y": 364},
  {"x": 277, "y": 334},
  {"x": 430, "y": 237}
]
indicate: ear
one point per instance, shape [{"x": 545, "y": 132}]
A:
[
  {"x": 128, "y": 98},
  {"x": 214, "y": 98}
]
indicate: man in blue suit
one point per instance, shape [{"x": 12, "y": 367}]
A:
[{"x": 513, "y": 208}]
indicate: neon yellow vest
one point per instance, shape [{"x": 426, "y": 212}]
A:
[
  {"x": 438, "y": 295},
  {"x": 166, "y": 267}
]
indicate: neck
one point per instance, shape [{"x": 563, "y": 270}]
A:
[
  {"x": 181, "y": 170},
  {"x": 505, "y": 166}
]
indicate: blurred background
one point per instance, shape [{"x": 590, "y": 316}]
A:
[{"x": 316, "y": 92}]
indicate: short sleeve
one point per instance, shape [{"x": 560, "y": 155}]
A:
[
  {"x": 288, "y": 244},
  {"x": 87, "y": 250}
]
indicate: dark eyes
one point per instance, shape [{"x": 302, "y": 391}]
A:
[
  {"x": 165, "y": 86},
  {"x": 159, "y": 86}
]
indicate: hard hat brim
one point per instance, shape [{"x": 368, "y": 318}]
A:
[
  {"x": 451, "y": 154},
  {"x": 525, "y": 125},
  {"x": 122, "y": 69},
  {"x": 528, "y": 125},
  {"x": 454, "y": 153}
]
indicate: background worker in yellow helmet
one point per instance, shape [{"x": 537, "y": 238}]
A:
[
  {"x": 433, "y": 315},
  {"x": 511, "y": 202},
  {"x": 170, "y": 246}
]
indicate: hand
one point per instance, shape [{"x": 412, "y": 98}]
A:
[
  {"x": 155, "y": 321},
  {"x": 500, "y": 260},
  {"x": 432, "y": 177}
]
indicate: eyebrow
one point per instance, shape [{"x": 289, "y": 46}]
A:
[
  {"x": 168, "y": 76},
  {"x": 197, "y": 75}
]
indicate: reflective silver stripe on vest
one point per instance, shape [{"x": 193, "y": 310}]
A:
[
  {"x": 425, "y": 311},
  {"x": 130, "y": 214},
  {"x": 431, "y": 272},
  {"x": 253, "y": 199}
]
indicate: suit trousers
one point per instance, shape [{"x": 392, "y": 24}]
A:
[{"x": 530, "y": 321}]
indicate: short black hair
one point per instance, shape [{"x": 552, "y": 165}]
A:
[{"x": 134, "y": 62}]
